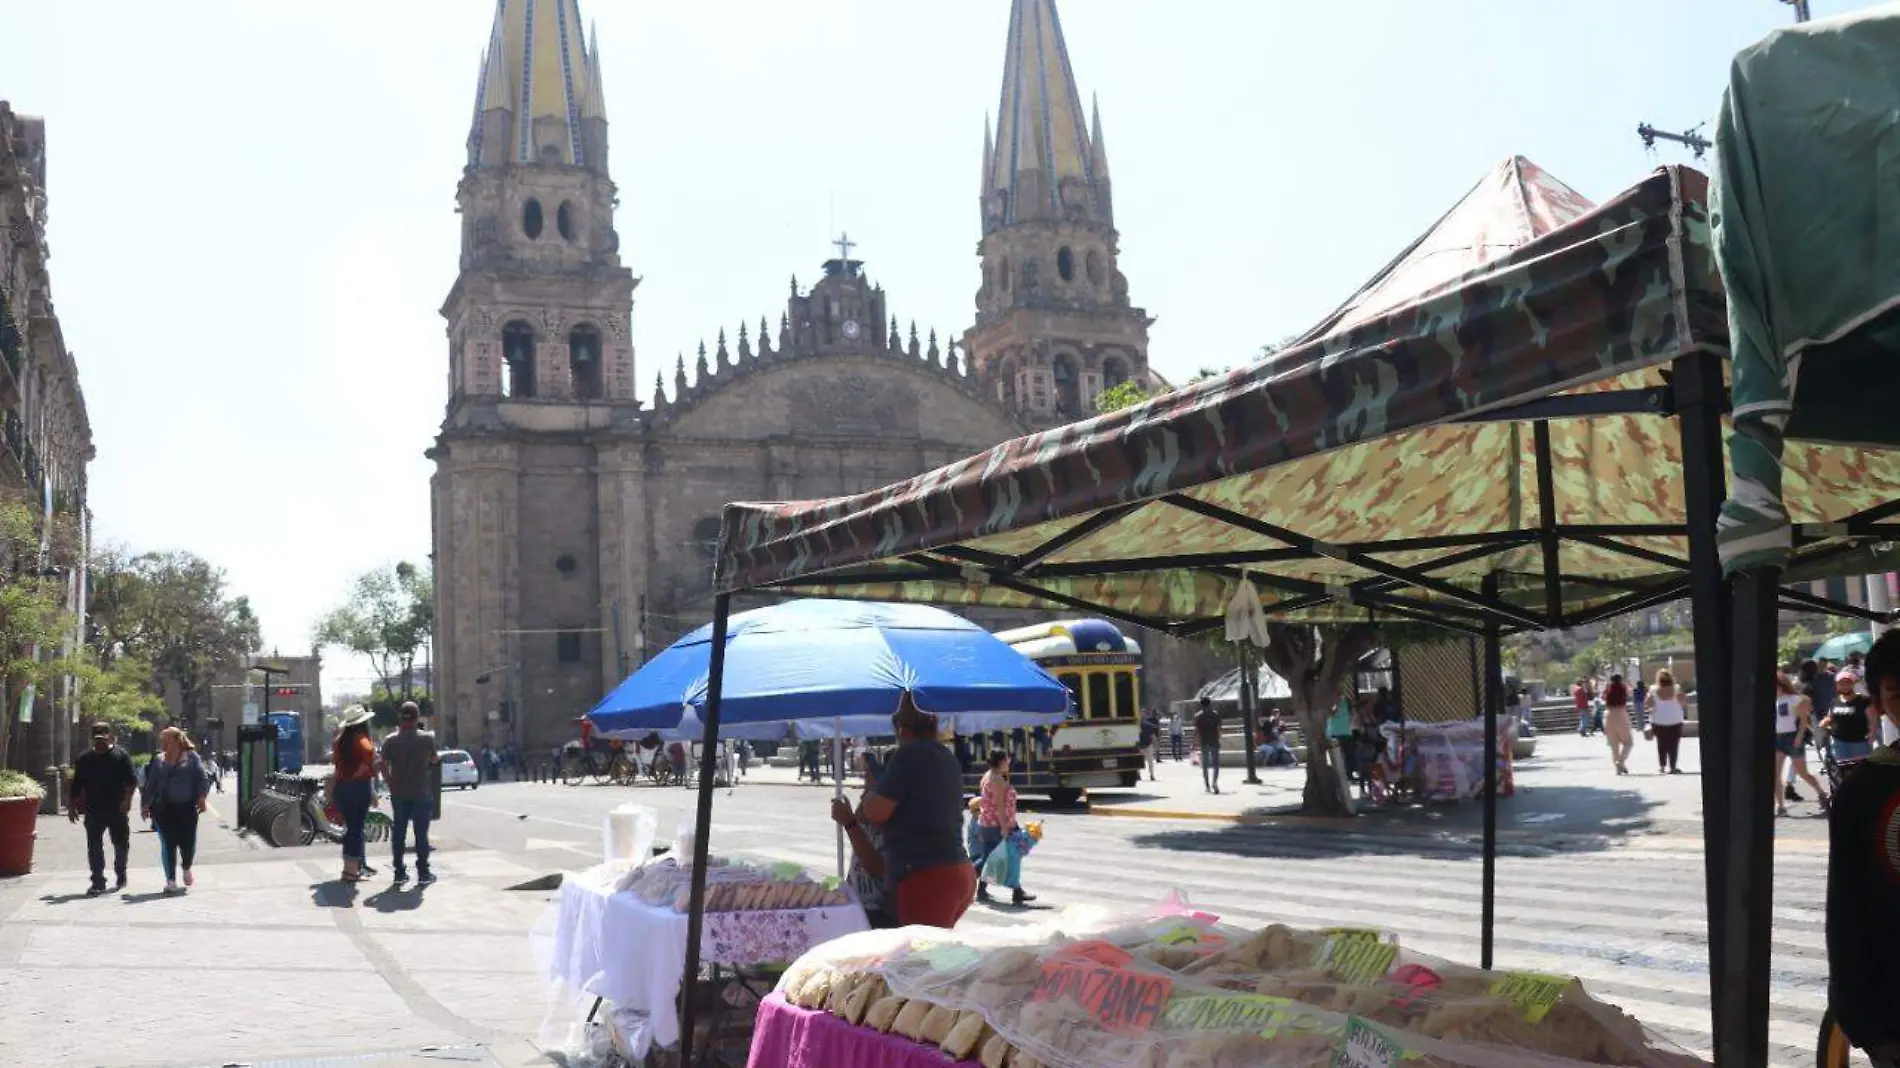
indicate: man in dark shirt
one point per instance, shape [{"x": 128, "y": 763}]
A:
[
  {"x": 407, "y": 755},
  {"x": 102, "y": 788},
  {"x": 1207, "y": 733},
  {"x": 1863, "y": 880}
]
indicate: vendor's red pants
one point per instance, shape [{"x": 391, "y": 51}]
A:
[{"x": 936, "y": 897}]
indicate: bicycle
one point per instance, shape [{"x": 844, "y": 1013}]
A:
[{"x": 580, "y": 762}]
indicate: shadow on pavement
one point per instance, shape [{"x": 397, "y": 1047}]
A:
[
  {"x": 396, "y": 899},
  {"x": 1536, "y": 821},
  {"x": 334, "y": 894},
  {"x": 140, "y": 899},
  {"x": 66, "y": 899}
]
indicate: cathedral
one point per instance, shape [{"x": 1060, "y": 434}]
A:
[{"x": 574, "y": 525}]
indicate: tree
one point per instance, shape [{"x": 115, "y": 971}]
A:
[
  {"x": 1795, "y": 645},
  {"x": 1125, "y": 394},
  {"x": 172, "y": 612},
  {"x": 389, "y": 617},
  {"x": 37, "y": 551},
  {"x": 1316, "y": 661}
]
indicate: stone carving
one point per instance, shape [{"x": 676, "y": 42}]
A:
[
  {"x": 485, "y": 321},
  {"x": 616, "y": 326},
  {"x": 851, "y": 405},
  {"x": 553, "y": 321}
]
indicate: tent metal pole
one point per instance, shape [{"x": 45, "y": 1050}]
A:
[
  {"x": 1547, "y": 524},
  {"x": 1749, "y": 871},
  {"x": 1493, "y": 700},
  {"x": 1700, "y": 398},
  {"x": 702, "y": 823}
]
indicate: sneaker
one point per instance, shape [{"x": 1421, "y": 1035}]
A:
[
  {"x": 427, "y": 877},
  {"x": 982, "y": 891},
  {"x": 1790, "y": 794},
  {"x": 402, "y": 875},
  {"x": 121, "y": 884},
  {"x": 188, "y": 879},
  {"x": 95, "y": 890},
  {"x": 1022, "y": 898},
  {"x": 172, "y": 889}
]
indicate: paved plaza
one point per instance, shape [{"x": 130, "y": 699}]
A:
[{"x": 267, "y": 960}]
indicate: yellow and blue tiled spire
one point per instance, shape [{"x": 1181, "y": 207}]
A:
[{"x": 539, "y": 98}]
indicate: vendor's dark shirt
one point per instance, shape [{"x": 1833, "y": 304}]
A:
[
  {"x": 407, "y": 755},
  {"x": 1207, "y": 727},
  {"x": 100, "y": 779},
  {"x": 1863, "y": 902},
  {"x": 925, "y": 781},
  {"x": 1849, "y": 721}
]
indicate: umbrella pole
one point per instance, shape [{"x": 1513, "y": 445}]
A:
[
  {"x": 702, "y": 823},
  {"x": 837, "y": 781}
]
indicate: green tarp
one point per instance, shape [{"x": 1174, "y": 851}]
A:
[{"x": 1806, "y": 216}]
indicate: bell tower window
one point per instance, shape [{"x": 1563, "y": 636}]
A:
[
  {"x": 1065, "y": 264},
  {"x": 531, "y": 220},
  {"x": 1114, "y": 372},
  {"x": 517, "y": 353},
  {"x": 1068, "y": 386},
  {"x": 583, "y": 354},
  {"x": 564, "y": 221}
]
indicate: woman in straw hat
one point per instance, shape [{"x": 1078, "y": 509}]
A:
[{"x": 355, "y": 765}]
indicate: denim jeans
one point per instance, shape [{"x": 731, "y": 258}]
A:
[
  {"x": 1210, "y": 765},
  {"x": 353, "y": 799},
  {"x": 405, "y": 811}
]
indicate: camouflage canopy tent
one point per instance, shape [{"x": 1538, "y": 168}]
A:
[{"x": 1479, "y": 439}]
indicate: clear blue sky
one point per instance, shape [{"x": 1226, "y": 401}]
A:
[{"x": 252, "y": 201}]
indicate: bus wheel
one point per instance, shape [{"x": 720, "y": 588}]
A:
[{"x": 1065, "y": 796}]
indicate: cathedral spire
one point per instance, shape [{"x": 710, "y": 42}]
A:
[
  {"x": 1042, "y": 139},
  {"x": 540, "y": 82}
]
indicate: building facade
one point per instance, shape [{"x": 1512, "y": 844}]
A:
[
  {"x": 45, "y": 438},
  {"x": 574, "y": 527},
  {"x": 241, "y": 695}
]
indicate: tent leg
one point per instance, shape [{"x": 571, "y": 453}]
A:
[
  {"x": 1698, "y": 394},
  {"x": 1748, "y": 871},
  {"x": 1250, "y": 714},
  {"x": 702, "y": 824},
  {"x": 1493, "y": 698},
  {"x": 837, "y": 781}
]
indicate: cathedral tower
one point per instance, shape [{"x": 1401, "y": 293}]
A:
[
  {"x": 1054, "y": 326},
  {"x": 535, "y": 559},
  {"x": 540, "y": 311}
]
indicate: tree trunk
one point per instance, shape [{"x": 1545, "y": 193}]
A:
[
  {"x": 1324, "y": 795},
  {"x": 1315, "y": 661}
]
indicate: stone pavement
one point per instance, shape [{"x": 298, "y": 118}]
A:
[{"x": 268, "y": 960}]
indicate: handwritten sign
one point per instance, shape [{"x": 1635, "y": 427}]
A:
[
  {"x": 1097, "y": 951},
  {"x": 1367, "y": 934},
  {"x": 1355, "y": 959},
  {"x": 1122, "y": 1001},
  {"x": 1533, "y": 994},
  {"x": 1230, "y": 1012},
  {"x": 1365, "y": 1046}
]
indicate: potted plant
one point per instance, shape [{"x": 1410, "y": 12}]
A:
[{"x": 19, "y": 813}]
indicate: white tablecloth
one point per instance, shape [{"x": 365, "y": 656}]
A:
[{"x": 617, "y": 947}]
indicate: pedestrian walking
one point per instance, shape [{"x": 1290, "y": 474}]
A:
[
  {"x": 175, "y": 792},
  {"x": 1580, "y": 697},
  {"x": 1666, "y": 717},
  {"x": 1617, "y": 729},
  {"x": 214, "y": 771},
  {"x": 101, "y": 791},
  {"x": 995, "y": 819},
  {"x": 1150, "y": 741},
  {"x": 917, "y": 804},
  {"x": 351, "y": 788},
  {"x": 1207, "y": 733},
  {"x": 406, "y": 759},
  {"x": 1851, "y": 722},
  {"x": 1793, "y": 717},
  {"x": 1177, "y": 731}
]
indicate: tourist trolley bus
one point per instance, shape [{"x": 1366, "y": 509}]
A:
[{"x": 1098, "y": 746}]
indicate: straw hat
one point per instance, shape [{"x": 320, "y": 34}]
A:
[{"x": 354, "y": 715}]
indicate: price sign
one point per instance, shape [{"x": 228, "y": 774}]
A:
[
  {"x": 1125, "y": 1002},
  {"x": 1353, "y": 958},
  {"x": 1097, "y": 951},
  {"x": 1533, "y": 994},
  {"x": 1229, "y": 1012},
  {"x": 1365, "y": 1046}
]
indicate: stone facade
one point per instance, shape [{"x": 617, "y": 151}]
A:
[
  {"x": 574, "y": 528},
  {"x": 237, "y": 689},
  {"x": 45, "y": 438}
]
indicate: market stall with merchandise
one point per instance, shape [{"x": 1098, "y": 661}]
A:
[{"x": 1490, "y": 440}]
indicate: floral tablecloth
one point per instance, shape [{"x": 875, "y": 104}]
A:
[
  {"x": 615, "y": 946},
  {"x": 786, "y": 1036}
]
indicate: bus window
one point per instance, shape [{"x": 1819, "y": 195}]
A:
[
  {"x": 1074, "y": 683},
  {"x": 1125, "y": 695},
  {"x": 1099, "y": 707}
]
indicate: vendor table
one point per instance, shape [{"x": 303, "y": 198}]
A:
[
  {"x": 786, "y": 1036},
  {"x": 616, "y": 947}
]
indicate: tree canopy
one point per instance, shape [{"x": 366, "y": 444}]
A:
[
  {"x": 171, "y": 611},
  {"x": 388, "y": 619}
]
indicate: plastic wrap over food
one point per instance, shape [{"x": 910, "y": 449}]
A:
[{"x": 1179, "y": 991}]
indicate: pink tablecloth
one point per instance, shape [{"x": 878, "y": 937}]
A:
[{"x": 786, "y": 1036}]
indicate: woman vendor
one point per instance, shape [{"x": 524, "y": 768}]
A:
[{"x": 917, "y": 804}]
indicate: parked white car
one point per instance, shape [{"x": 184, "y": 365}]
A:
[{"x": 458, "y": 769}]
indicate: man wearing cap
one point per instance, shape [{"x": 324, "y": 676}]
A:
[
  {"x": 407, "y": 755},
  {"x": 102, "y": 788}
]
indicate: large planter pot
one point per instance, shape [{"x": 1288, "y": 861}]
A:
[{"x": 18, "y": 817}]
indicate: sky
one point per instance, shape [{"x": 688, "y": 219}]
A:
[{"x": 253, "y": 229}]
